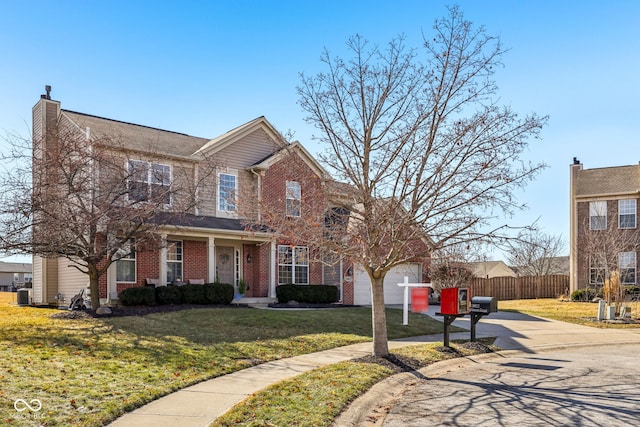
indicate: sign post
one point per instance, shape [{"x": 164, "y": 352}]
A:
[{"x": 405, "y": 303}]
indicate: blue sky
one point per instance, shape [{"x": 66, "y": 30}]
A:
[{"x": 204, "y": 67}]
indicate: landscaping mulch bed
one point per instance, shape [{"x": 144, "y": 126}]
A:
[
  {"x": 400, "y": 363},
  {"x": 293, "y": 304},
  {"x": 121, "y": 311}
]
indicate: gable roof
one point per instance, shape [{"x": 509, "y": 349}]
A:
[
  {"x": 611, "y": 181},
  {"x": 15, "y": 267},
  {"x": 293, "y": 147},
  {"x": 228, "y": 138},
  {"x": 137, "y": 137},
  {"x": 489, "y": 269}
]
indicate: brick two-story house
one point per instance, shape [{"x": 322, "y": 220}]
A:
[
  {"x": 212, "y": 242},
  {"x": 604, "y": 234}
]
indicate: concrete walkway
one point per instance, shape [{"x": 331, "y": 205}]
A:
[{"x": 201, "y": 404}]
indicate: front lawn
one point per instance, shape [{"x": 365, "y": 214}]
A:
[
  {"x": 88, "y": 371},
  {"x": 581, "y": 313}
]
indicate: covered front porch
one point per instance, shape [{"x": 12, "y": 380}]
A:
[{"x": 194, "y": 255}]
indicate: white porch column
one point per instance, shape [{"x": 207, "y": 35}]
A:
[
  {"x": 272, "y": 269},
  {"x": 112, "y": 290},
  {"x": 211, "y": 260},
  {"x": 163, "y": 260}
]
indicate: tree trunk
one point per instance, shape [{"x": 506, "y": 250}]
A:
[
  {"x": 94, "y": 287},
  {"x": 379, "y": 318}
]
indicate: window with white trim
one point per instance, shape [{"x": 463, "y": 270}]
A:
[
  {"x": 627, "y": 213},
  {"x": 294, "y": 198},
  {"x": 149, "y": 181},
  {"x": 598, "y": 215},
  {"x": 627, "y": 267},
  {"x": 227, "y": 191},
  {"x": 174, "y": 261},
  {"x": 126, "y": 263},
  {"x": 597, "y": 269},
  {"x": 293, "y": 265}
]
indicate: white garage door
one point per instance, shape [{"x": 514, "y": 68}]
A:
[{"x": 393, "y": 294}]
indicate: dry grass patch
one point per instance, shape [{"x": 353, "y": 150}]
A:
[{"x": 582, "y": 313}]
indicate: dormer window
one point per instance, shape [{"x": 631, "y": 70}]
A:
[
  {"x": 294, "y": 198},
  {"x": 149, "y": 181}
]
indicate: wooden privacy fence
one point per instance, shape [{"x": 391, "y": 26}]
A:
[{"x": 528, "y": 287}]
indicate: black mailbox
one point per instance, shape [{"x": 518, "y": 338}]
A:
[{"x": 484, "y": 305}]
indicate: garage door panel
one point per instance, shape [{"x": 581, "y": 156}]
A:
[{"x": 393, "y": 294}]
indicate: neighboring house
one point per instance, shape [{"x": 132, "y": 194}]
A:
[
  {"x": 604, "y": 207},
  {"x": 490, "y": 269},
  {"x": 213, "y": 243},
  {"x": 14, "y": 274},
  {"x": 557, "y": 265}
]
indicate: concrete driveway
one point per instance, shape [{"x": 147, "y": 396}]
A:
[
  {"x": 597, "y": 386},
  {"x": 550, "y": 374}
]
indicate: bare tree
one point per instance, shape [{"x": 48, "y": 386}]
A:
[
  {"x": 451, "y": 268},
  {"x": 535, "y": 253},
  {"x": 427, "y": 153},
  {"x": 89, "y": 200},
  {"x": 609, "y": 254}
]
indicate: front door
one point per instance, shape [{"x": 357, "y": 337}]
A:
[{"x": 225, "y": 265}]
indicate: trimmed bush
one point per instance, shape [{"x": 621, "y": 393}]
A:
[
  {"x": 168, "y": 295},
  {"x": 310, "y": 294},
  {"x": 218, "y": 293},
  {"x": 193, "y": 294},
  {"x": 586, "y": 294},
  {"x": 144, "y": 295}
]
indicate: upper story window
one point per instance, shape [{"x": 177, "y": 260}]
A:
[
  {"x": 149, "y": 181},
  {"x": 598, "y": 215},
  {"x": 227, "y": 191},
  {"x": 294, "y": 198},
  {"x": 627, "y": 213}
]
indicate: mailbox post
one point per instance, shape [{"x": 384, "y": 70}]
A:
[
  {"x": 481, "y": 306},
  {"x": 455, "y": 302}
]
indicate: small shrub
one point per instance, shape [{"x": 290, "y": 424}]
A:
[
  {"x": 218, "y": 293},
  {"x": 310, "y": 294},
  {"x": 193, "y": 294},
  {"x": 168, "y": 295},
  {"x": 144, "y": 295},
  {"x": 586, "y": 294}
]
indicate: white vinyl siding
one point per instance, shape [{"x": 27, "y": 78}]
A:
[
  {"x": 37, "y": 279},
  {"x": 71, "y": 280}
]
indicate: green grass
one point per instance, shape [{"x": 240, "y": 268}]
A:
[
  {"x": 87, "y": 372},
  {"x": 581, "y": 313},
  {"x": 316, "y": 397}
]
